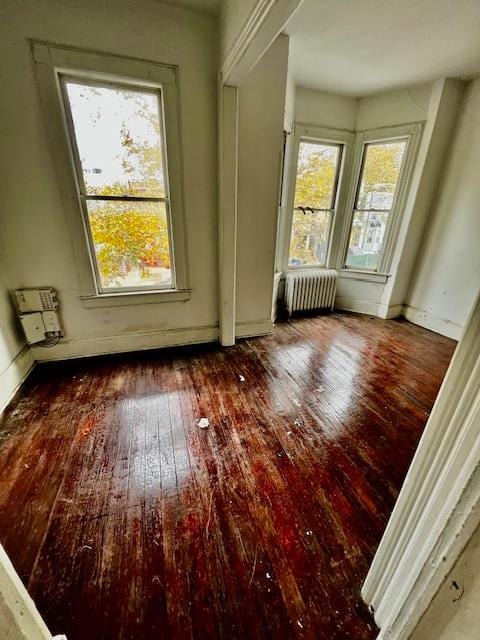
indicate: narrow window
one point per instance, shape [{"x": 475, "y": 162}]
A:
[
  {"x": 316, "y": 185},
  {"x": 377, "y": 186},
  {"x": 116, "y": 131}
]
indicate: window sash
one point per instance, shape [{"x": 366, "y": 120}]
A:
[
  {"x": 340, "y": 146},
  {"x": 50, "y": 62},
  {"x": 387, "y": 214},
  {"x": 365, "y": 145},
  {"x": 334, "y": 197},
  {"x": 84, "y": 197},
  {"x": 353, "y": 144},
  {"x": 312, "y": 265}
]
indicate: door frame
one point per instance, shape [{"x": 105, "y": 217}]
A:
[{"x": 438, "y": 508}]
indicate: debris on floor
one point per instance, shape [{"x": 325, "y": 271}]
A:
[
  {"x": 458, "y": 588},
  {"x": 241, "y": 378},
  {"x": 254, "y": 567},
  {"x": 203, "y": 423}
]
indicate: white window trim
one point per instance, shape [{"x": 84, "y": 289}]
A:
[
  {"x": 304, "y": 132},
  {"x": 413, "y": 134},
  {"x": 347, "y": 187},
  {"x": 50, "y": 62}
]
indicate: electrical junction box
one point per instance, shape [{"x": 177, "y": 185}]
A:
[
  {"x": 51, "y": 321},
  {"x": 33, "y": 327},
  {"x": 38, "y": 313},
  {"x": 44, "y": 299}
]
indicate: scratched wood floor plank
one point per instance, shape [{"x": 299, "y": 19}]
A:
[{"x": 127, "y": 520}]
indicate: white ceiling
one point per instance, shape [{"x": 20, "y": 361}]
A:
[
  {"x": 357, "y": 47},
  {"x": 207, "y": 6}
]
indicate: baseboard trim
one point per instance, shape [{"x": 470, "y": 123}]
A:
[
  {"x": 389, "y": 312},
  {"x": 358, "y": 306},
  {"x": 252, "y": 329},
  {"x": 15, "y": 375},
  {"x": 85, "y": 347},
  {"x": 427, "y": 320}
]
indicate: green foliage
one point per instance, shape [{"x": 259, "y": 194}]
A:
[
  {"x": 381, "y": 169},
  {"x": 128, "y": 237},
  {"x": 314, "y": 188},
  {"x": 315, "y": 182}
]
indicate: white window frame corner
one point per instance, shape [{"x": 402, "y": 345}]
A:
[{"x": 53, "y": 61}]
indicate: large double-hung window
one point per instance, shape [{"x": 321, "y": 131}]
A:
[
  {"x": 344, "y": 197},
  {"x": 116, "y": 132},
  {"x": 374, "y": 200},
  {"x": 113, "y": 124},
  {"x": 318, "y": 169}
]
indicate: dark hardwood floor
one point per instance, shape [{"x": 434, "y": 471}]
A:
[{"x": 127, "y": 521}]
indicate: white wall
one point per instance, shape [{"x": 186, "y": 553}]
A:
[
  {"x": 37, "y": 249},
  {"x": 15, "y": 359},
  {"x": 447, "y": 273},
  {"x": 325, "y": 109},
  {"x": 261, "y": 115},
  {"x": 454, "y": 613},
  {"x": 234, "y": 15},
  {"x": 289, "y": 104},
  {"x": 393, "y": 107},
  {"x": 436, "y": 142},
  {"x": 388, "y": 108}
]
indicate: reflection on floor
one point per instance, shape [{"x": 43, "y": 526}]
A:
[{"x": 126, "y": 520}]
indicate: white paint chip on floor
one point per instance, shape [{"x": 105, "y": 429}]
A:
[{"x": 203, "y": 423}]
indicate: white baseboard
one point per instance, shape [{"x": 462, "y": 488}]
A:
[
  {"x": 389, "y": 312},
  {"x": 358, "y": 306},
  {"x": 434, "y": 323},
  {"x": 252, "y": 329},
  {"x": 14, "y": 375},
  {"x": 84, "y": 347}
]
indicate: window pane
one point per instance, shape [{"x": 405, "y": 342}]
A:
[
  {"x": 309, "y": 240},
  {"x": 368, "y": 229},
  {"x": 131, "y": 243},
  {"x": 118, "y": 137},
  {"x": 316, "y": 175},
  {"x": 381, "y": 168}
]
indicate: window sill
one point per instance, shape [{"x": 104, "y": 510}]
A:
[
  {"x": 365, "y": 276},
  {"x": 306, "y": 267},
  {"x": 136, "y": 297}
]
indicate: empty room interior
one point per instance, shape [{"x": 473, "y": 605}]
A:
[{"x": 240, "y": 319}]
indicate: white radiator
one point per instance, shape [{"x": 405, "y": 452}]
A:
[{"x": 310, "y": 289}]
